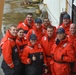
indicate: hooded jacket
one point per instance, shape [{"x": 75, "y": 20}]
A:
[
  {"x": 39, "y": 33},
  {"x": 66, "y": 27},
  {"x": 9, "y": 51},
  {"x": 24, "y": 25}
]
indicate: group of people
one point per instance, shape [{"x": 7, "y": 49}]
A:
[{"x": 36, "y": 47}]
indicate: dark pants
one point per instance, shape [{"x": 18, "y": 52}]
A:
[
  {"x": 11, "y": 71},
  {"x": 22, "y": 72},
  {"x": 33, "y": 70}
]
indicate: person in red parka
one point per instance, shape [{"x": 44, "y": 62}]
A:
[
  {"x": 46, "y": 23},
  {"x": 21, "y": 43},
  {"x": 37, "y": 30},
  {"x": 62, "y": 54},
  {"x": 66, "y": 23},
  {"x": 27, "y": 24},
  {"x": 33, "y": 57},
  {"x": 11, "y": 62},
  {"x": 47, "y": 42},
  {"x": 72, "y": 39}
]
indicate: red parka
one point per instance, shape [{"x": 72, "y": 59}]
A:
[
  {"x": 38, "y": 32},
  {"x": 66, "y": 27},
  {"x": 21, "y": 43},
  {"x": 72, "y": 39},
  {"x": 24, "y": 25},
  {"x": 9, "y": 50},
  {"x": 63, "y": 54},
  {"x": 47, "y": 44}
]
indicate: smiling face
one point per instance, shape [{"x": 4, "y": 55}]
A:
[
  {"x": 13, "y": 31},
  {"x": 33, "y": 42},
  {"x": 38, "y": 25},
  {"x": 73, "y": 29},
  {"x": 50, "y": 32},
  {"x": 20, "y": 33},
  {"x": 66, "y": 21},
  {"x": 60, "y": 36},
  {"x": 46, "y": 22},
  {"x": 29, "y": 18}
]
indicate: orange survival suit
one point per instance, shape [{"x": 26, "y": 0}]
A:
[
  {"x": 72, "y": 39},
  {"x": 63, "y": 54},
  {"x": 21, "y": 43},
  {"x": 66, "y": 27},
  {"x": 33, "y": 67},
  {"x": 11, "y": 61},
  {"x": 38, "y": 32},
  {"x": 24, "y": 25},
  {"x": 47, "y": 44}
]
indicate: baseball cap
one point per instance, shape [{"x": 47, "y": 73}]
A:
[
  {"x": 66, "y": 16},
  {"x": 60, "y": 30},
  {"x": 38, "y": 20},
  {"x": 33, "y": 37}
]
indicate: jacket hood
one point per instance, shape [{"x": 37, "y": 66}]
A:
[
  {"x": 8, "y": 34},
  {"x": 34, "y": 27},
  {"x": 67, "y": 24}
]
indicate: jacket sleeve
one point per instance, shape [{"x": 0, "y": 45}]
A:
[
  {"x": 17, "y": 43},
  {"x": 25, "y": 58},
  {"x": 70, "y": 54},
  {"x": 7, "y": 53},
  {"x": 19, "y": 25},
  {"x": 41, "y": 42},
  {"x": 28, "y": 34}
]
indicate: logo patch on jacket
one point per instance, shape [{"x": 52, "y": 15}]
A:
[
  {"x": 16, "y": 50},
  {"x": 65, "y": 45},
  {"x": 30, "y": 47},
  {"x": 45, "y": 38}
]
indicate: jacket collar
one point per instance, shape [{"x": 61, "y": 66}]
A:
[
  {"x": 8, "y": 34},
  {"x": 67, "y": 25},
  {"x": 26, "y": 22},
  {"x": 62, "y": 41},
  {"x": 34, "y": 27}
]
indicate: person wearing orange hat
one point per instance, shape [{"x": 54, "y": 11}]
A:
[
  {"x": 27, "y": 24},
  {"x": 11, "y": 62},
  {"x": 62, "y": 54}
]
